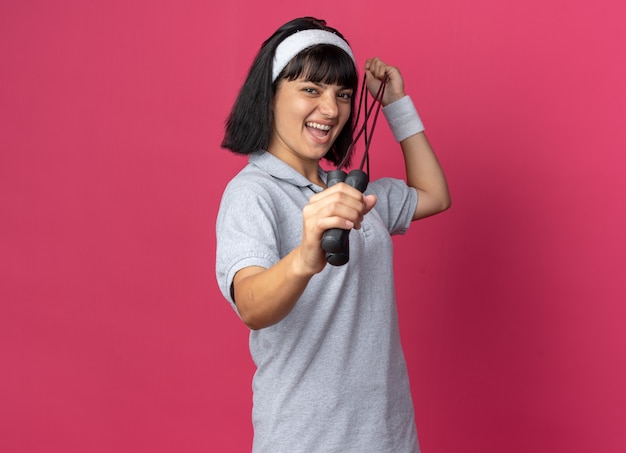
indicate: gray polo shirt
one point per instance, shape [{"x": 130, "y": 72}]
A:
[{"x": 331, "y": 376}]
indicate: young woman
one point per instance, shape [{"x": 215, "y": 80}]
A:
[{"x": 331, "y": 374}]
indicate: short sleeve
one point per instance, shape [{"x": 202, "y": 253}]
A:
[
  {"x": 246, "y": 233},
  {"x": 396, "y": 203}
]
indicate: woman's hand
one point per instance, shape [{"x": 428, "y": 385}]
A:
[
  {"x": 375, "y": 71},
  {"x": 340, "y": 206}
]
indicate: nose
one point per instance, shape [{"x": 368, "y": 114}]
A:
[{"x": 328, "y": 105}]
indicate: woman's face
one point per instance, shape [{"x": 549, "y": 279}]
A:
[{"x": 308, "y": 117}]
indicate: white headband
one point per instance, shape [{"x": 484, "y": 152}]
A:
[{"x": 299, "y": 41}]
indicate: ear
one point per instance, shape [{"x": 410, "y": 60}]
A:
[{"x": 276, "y": 89}]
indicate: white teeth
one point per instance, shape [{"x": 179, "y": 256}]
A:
[{"x": 322, "y": 127}]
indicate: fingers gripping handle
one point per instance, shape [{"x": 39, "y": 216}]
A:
[{"x": 335, "y": 241}]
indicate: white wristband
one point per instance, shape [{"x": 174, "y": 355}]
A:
[{"x": 403, "y": 118}]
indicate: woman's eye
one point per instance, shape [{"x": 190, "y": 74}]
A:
[
  {"x": 310, "y": 90},
  {"x": 345, "y": 95}
]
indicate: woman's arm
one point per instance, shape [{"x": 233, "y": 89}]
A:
[
  {"x": 265, "y": 296},
  {"x": 425, "y": 175},
  {"x": 423, "y": 171}
]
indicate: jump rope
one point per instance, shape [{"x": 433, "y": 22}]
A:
[{"x": 335, "y": 241}]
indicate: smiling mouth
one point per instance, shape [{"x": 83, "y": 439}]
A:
[{"x": 317, "y": 129}]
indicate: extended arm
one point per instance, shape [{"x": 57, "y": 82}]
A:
[{"x": 265, "y": 296}]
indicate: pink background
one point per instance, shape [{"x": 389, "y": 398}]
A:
[{"x": 113, "y": 335}]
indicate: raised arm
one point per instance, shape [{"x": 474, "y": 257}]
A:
[{"x": 423, "y": 171}]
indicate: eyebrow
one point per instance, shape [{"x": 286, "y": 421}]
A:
[{"x": 321, "y": 84}]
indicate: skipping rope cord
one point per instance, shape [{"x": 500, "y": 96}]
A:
[{"x": 367, "y": 138}]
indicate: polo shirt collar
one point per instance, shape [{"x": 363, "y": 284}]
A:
[{"x": 279, "y": 169}]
